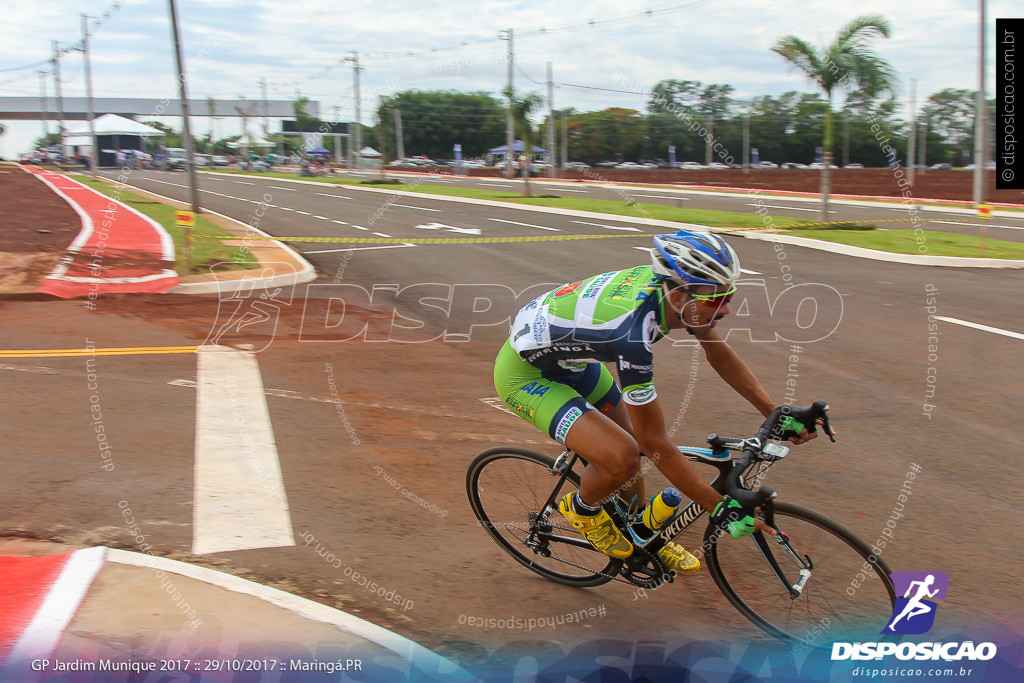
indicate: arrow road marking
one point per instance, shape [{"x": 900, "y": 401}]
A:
[{"x": 449, "y": 228}]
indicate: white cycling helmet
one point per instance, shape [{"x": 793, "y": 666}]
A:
[{"x": 695, "y": 258}]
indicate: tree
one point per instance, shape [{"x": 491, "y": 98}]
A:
[
  {"x": 434, "y": 121},
  {"x": 848, "y": 60},
  {"x": 522, "y": 107},
  {"x": 613, "y": 134}
]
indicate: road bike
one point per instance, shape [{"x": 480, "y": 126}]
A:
[{"x": 815, "y": 581}]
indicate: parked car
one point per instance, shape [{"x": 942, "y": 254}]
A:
[
  {"x": 941, "y": 167},
  {"x": 854, "y": 166},
  {"x": 202, "y": 160},
  {"x": 220, "y": 160},
  {"x": 577, "y": 164},
  {"x": 691, "y": 165},
  {"x": 766, "y": 164},
  {"x": 175, "y": 159},
  {"x": 607, "y": 164},
  {"x": 817, "y": 166},
  {"x": 718, "y": 165},
  {"x": 628, "y": 164}
]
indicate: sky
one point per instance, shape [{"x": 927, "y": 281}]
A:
[{"x": 301, "y": 46}]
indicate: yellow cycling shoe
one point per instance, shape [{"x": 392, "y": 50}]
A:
[
  {"x": 598, "y": 529},
  {"x": 678, "y": 559}
]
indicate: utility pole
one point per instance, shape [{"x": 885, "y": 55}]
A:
[
  {"x": 510, "y": 154},
  {"x": 552, "y": 153},
  {"x": 399, "y": 138},
  {"x": 846, "y": 140},
  {"x": 746, "y": 142},
  {"x": 979, "y": 116},
  {"x": 913, "y": 132},
  {"x": 60, "y": 98},
  {"x": 190, "y": 159},
  {"x": 357, "y": 137},
  {"x": 263, "y": 92},
  {"x": 44, "y": 104},
  {"x": 94, "y": 148},
  {"x": 565, "y": 139}
]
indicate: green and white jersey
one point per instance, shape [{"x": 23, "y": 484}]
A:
[{"x": 613, "y": 317}]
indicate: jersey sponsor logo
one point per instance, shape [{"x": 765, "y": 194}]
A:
[
  {"x": 569, "y": 289},
  {"x": 596, "y": 285},
  {"x": 520, "y": 408},
  {"x": 536, "y": 389},
  {"x": 626, "y": 365},
  {"x": 641, "y": 395},
  {"x": 650, "y": 329},
  {"x": 626, "y": 288},
  {"x": 567, "y": 421}
]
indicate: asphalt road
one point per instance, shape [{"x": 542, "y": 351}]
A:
[{"x": 358, "y": 403}]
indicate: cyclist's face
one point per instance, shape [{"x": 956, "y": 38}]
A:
[{"x": 703, "y": 313}]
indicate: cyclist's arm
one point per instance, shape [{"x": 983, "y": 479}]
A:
[
  {"x": 649, "y": 424},
  {"x": 730, "y": 367}
]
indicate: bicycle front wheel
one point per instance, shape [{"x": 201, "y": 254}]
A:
[
  {"x": 508, "y": 490},
  {"x": 846, "y": 593}
]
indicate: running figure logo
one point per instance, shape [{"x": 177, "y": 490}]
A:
[{"x": 914, "y": 613}]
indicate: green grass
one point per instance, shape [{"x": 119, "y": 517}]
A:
[
  {"x": 205, "y": 250},
  {"x": 905, "y": 242},
  {"x": 852, "y": 233}
]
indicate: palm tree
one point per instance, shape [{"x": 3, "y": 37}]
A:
[
  {"x": 522, "y": 107},
  {"x": 847, "y": 61}
]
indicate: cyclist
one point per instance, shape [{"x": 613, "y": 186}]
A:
[{"x": 551, "y": 373}]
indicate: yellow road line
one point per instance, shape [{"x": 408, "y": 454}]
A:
[{"x": 125, "y": 351}]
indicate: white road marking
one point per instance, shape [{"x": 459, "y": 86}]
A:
[
  {"x": 422, "y": 208},
  {"x": 565, "y": 189},
  {"x": 786, "y": 208},
  {"x": 610, "y": 227},
  {"x": 339, "y": 222},
  {"x": 286, "y": 189},
  {"x": 242, "y": 182},
  {"x": 40, "y": 638},
  {"x": 981, "y": 225},
  {"x": 284, "y": 208},
  {"x": 661, "y": 196},
  {"x": 529, "y": 225},
  {"x": 335, "y": 196},
  {"x": 323, "y": 218},
  {"x": 383, "y": 246},
  {"x": 983, "y": 328},
  {"x": 449, "y": 228},
  {"x": 359, "y": 227},
  {"x": 497, "y": 182},
  {"x": 304, "y": 213},
  {"x": 381, "y": 234},
  {"x": 239, "y": 501}
]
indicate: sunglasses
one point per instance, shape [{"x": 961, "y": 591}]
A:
[{"x": 717, "y": 299}]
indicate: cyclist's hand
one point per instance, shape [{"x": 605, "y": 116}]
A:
[
  {"x": 731, "y": 516},
  {"x": 804, "y": 436}
]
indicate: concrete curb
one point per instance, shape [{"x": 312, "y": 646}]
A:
[
  {"x": 239, "y": 280},
  {"x": 419, "y": 656},
  {"x": 832, "y": 247},
  {"x": 890, "y": 257}
]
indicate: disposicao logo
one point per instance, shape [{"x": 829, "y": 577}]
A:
[{"x": 914, "y": 613}]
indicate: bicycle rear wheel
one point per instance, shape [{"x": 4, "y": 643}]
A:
[
  {"x": 508, "y": 490},
  {"x": 847, "y": 596}
]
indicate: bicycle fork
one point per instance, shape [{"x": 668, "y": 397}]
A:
[{"x": 803, "y": 564}]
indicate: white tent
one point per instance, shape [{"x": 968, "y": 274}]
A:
[
  {"x": 249, "y": 141},
  {"x": 368, "y": 152},
  {"x": 112, "y": 124}
]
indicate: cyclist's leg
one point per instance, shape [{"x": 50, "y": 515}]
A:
[{"x": 570, "y": 408}]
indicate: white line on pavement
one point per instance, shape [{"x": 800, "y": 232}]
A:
[
  {"x": 239, "y": 501},
  {"x": 381, "y": 234},
  {"x": 978, "y": 326},
  {"x": 286, "y": 189},
  {"x": 323, "y": 218},
  {"x": 529, "y": 225},
  {"x": 981, "y": 225},
  {"x": 786, "y": 208},
  {"x": 610, "y": 227},
  {"x": 335, "y": 196},
  {"x": 660, "y": 196},
  {"x": 304, "y": 213},
  {"x": 383, "y": 246},
  {"x": 242, "y": 182},
  {"x": 565, "y": 189},
  {"x": 422, "y": 208}
]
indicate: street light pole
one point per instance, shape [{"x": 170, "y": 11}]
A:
[
  {"x": 93, "y": 154},
  {"x": 60, "y": 98},
  {"x": 979, "y": 116},
  {"x": 190, "y": 159},
  {"x": 507, "y": 34}
]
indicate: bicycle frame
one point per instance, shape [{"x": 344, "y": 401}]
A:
[{"x": 681, "y": 520}]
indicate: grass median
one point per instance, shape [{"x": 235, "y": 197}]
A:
[
  {"x": 206, "y": 251},
  {"x": 864, "y": 235}
]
